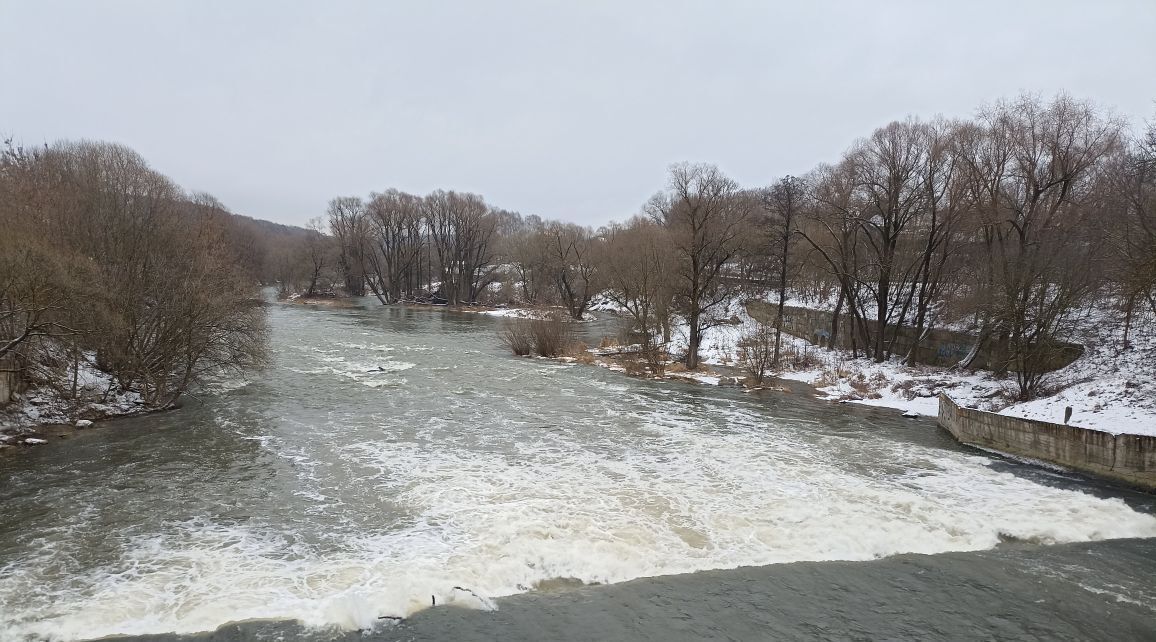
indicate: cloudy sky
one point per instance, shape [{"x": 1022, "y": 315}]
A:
[{"x": 569, "y": 110}]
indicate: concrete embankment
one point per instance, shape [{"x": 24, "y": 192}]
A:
[
  {"x": 937, "y": 347},
  {"x": 1127, "y": 458}
]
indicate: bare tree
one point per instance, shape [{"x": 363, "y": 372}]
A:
[
  {"x": 1130, "y": 189},
  {"x": 396, "y": 228},
  {"x": 572, "y": 264},
  {"x": 350, "y": 227},
  {"x": 317, "y": 250},
  {"x": 127, "y": 268},
  {"x": 944, "y": 206},
  {"x": 889, "y": 164},
  {"x": 639, "y": 270},
  {"x": 782, "y": 203},
  {"x": 462, "y": 230},
  {"x": 1036, "y": 170},
  {"x": 757, "y": 351},
  {"x": 832, "y": 231},
  {"x": 707, "y": 222}
]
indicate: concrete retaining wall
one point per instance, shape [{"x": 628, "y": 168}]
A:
[
  {"x": 938, "y": 348},
  {"x": 10, "y": 382},
  {"x": 1127, "y": 458}
]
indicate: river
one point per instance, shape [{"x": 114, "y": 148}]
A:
[{"x": 394, "y": 457}]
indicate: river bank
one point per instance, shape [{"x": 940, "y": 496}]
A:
[
  {"x": 1016, "y": 592},
  {"x": 53, "y": 410}
]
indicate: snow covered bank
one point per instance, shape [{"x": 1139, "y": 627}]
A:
[
  {"x": 97, "y": 397},
  {"x": 527, "y": 313},
  {"x": 1111, "y": 387}
]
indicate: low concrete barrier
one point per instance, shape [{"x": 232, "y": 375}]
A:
[
  {"x": 1127, "y": 458},
  {"x": 937, "y": 348}
]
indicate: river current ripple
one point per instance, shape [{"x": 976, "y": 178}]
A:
[{"x": 395, "y": 457}]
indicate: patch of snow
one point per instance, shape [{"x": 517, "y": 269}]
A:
[
  {"x": 98, "y": 395},
  {"x": 1111, "y": 387},
  {"x": 530, "y": 313},
  {"x": 707, "y": 378}
]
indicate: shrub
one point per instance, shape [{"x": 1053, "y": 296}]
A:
[
  {"x": 757, "y": 351},
  {"x": 547, "y": 337},
  {"x": 516, "y": 336},
  {"x": 551, "y": 336}
]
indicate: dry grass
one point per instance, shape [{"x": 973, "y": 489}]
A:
[
  {"x": 549, "y": 337},
  {"x": 516, "y": 336}
]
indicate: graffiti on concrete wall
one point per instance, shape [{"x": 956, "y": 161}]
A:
[{"x": 952, "y": 350}]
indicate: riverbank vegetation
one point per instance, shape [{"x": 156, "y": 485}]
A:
[
  {"x": 119, "y": 291},
  {"x": 1011, "y": 225}
]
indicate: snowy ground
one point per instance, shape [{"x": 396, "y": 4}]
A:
[
  {"x": 528, "y": 313},
  {"x": 98, "y": 397},
  {"x": 1109, "y": 388}
]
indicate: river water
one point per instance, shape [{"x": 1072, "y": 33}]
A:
[{"x": 393, "y": 457}]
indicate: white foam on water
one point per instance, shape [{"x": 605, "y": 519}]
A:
[
  {"x": 499, "y": 519},
  {"x": 372, "y": 373}
]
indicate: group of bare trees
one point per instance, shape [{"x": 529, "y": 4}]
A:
[
  {"x": 400, "y": 247},
  {"x": 452, "y": 247},
  {"x": 105, "y": 261},
  {"x": 1012, "y": 220},
  {"x": 1016, "y": 218}
]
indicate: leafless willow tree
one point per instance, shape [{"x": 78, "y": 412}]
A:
[
  {"x": 1130, "y": 183},
  {"x": 709, "y": 227},
  {"x": 398, "y": 237},
  {"x": 943, "y": 208},
  {"x": 350, "y": 227},
  {"x": 318, "y": 252},
  {"x": 832, "y": 231},
  {"x": 783, "y": 205},
  {"x": 572, "y": 262},
  {"x": 639, "y": 267},
  {"x": 462, "y": 231},
  {"x": 890, "y": 164},
  {"x": 1034, "y": 168}
]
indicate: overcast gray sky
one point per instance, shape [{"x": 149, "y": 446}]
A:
[{"x": 568, "y": 110}]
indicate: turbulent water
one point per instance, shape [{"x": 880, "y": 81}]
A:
[{"x": 392, "y": 457}]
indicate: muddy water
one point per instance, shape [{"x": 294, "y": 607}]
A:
[{"x": 395, "y": 457}]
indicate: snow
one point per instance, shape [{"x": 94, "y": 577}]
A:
[
  {"x": 603, "y": 303},
  {"x": 513, "y": 313},
  {"x": 706, "y": 378},
  {"x": 98, "y": 396},
  {"x": 719, "y": 344},
  {"x": 528, "y": 313},
  {"x": 1109, "y": 388}
]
